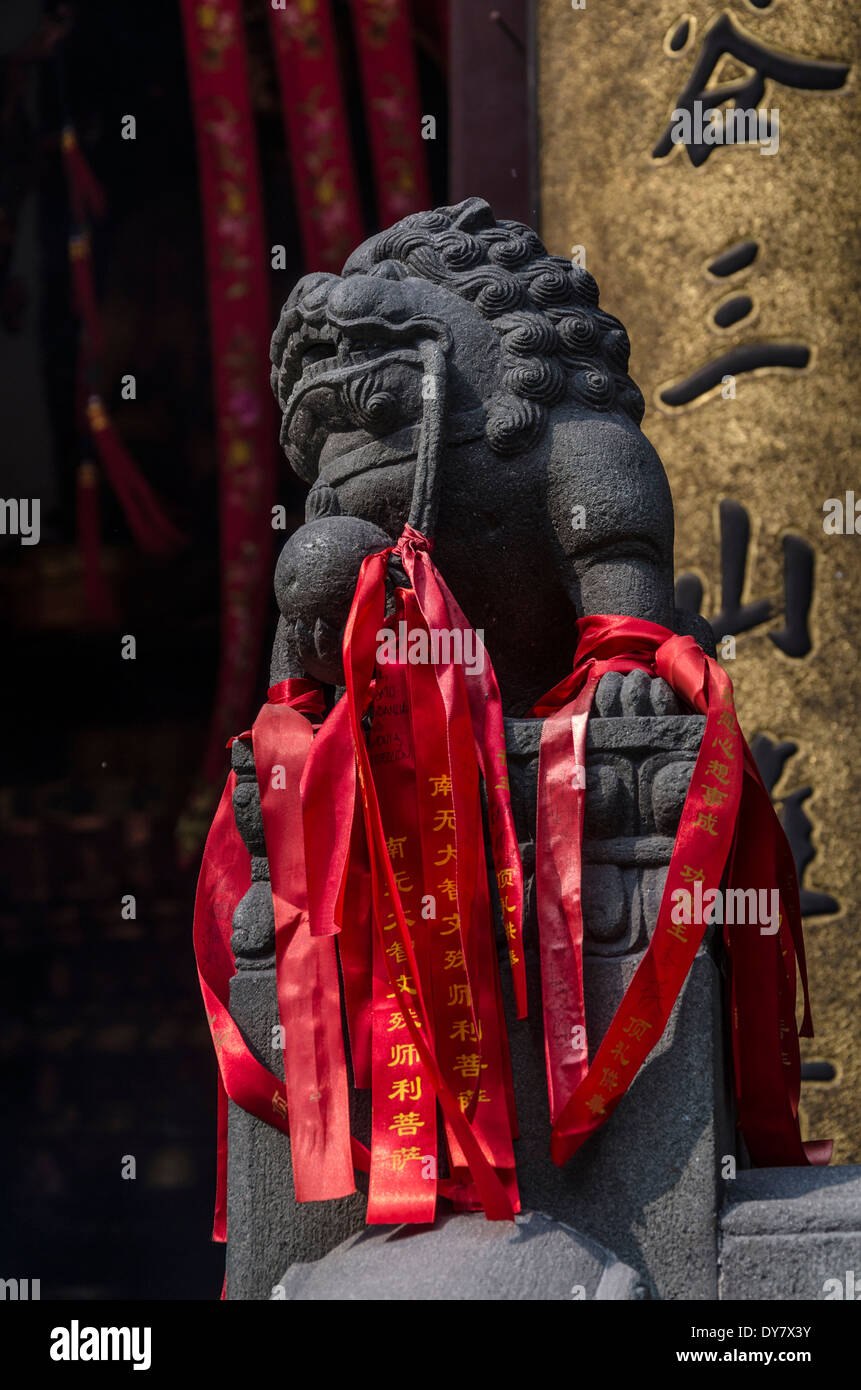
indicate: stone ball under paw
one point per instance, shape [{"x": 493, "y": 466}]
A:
[{"x": 315, "y": 580}]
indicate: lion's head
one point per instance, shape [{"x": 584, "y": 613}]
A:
[{"x": 529, "y": 335}]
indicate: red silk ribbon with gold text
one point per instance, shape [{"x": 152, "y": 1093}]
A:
[
  {"x": 446, "y": 720},
  {"x": 313, "y": 1101},
  {"x": 392, "y": 823},
  {"x": 728, "y": 823}
]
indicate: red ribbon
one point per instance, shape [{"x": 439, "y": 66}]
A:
[
  {"x": 728, "y": 823},
  {"x": 390, "y": 807},
  {"x": 154, "y": 532},
  {"x": 86, "y": 194},
  {"x": 147, "y": 519},
  {"x": 101, "y": 604},
  {"x": 312, "y": 1105},
  {"x": 455, "y": 727}
]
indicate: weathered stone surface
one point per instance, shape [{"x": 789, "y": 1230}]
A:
[
  {"x": 791, "y": 1233},
  {"x": 266, "y": 1227},
  {"x": 646, "y": 1183},
  {"x": 463, "y": 1259}
]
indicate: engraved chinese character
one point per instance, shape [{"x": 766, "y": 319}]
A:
[{"x": 727, "y": 38}]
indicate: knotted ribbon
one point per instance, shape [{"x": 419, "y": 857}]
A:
[
  {"x": 312, "y": 1102},
  {"x": 450, "y": 731},
  {"x": 387, "y": 798},
  {"x": 728, "y": 832}
]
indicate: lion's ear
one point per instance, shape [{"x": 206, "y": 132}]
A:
[
  {"x": 390, "y": 270},
  {"x": 472, "y": 215}
]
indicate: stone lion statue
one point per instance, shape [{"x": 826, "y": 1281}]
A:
[{"x": 544, "y": 468}]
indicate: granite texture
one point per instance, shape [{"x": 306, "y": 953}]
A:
[
  {"x": 792, "y": 1233},
  {"x": 465, "y": 1259}
]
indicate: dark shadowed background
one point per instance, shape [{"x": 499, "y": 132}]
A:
[{"x": 105, "y": 1052}]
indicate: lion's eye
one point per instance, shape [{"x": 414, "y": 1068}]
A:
[{"x": 315, "y": 352}]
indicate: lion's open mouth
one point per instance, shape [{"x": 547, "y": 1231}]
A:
[
  {"x": 344, "y": 384},
  {"x": 315, "y": 349},
  {"x": 311, "y": 351},
  {"x": 349, "y": 366}
]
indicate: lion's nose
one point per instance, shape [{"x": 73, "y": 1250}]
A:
[
  {"x": 311, "y": 291},
  {"x": 364, "y": 296}
]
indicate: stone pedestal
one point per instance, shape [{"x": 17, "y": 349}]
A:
[
  {"x": 267, "y": 1229},
  {"x": 647, "y": 1185},
  {"x": 792, "y": 1233}
]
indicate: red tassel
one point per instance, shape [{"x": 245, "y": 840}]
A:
[
  {"x": 151, "y": 527},
  {"x": 85, "y": 192},
  {"x": 99, "y": 599}
]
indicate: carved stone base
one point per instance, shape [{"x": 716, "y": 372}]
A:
[
  {"x": 464, "y": 1259},
  {"x": 267, "y": 1229}
]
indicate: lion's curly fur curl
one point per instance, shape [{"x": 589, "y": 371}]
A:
[
  {"x": 556, "y": 343},
  {"x": 555, "y": 339}
]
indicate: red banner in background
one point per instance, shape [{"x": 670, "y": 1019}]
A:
[
  {"x": 315, "y": 119},
  {"x": 240, "y": 327},
  {"x": 392, "y": 107},
  {"x": 147, "y": 519}
]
